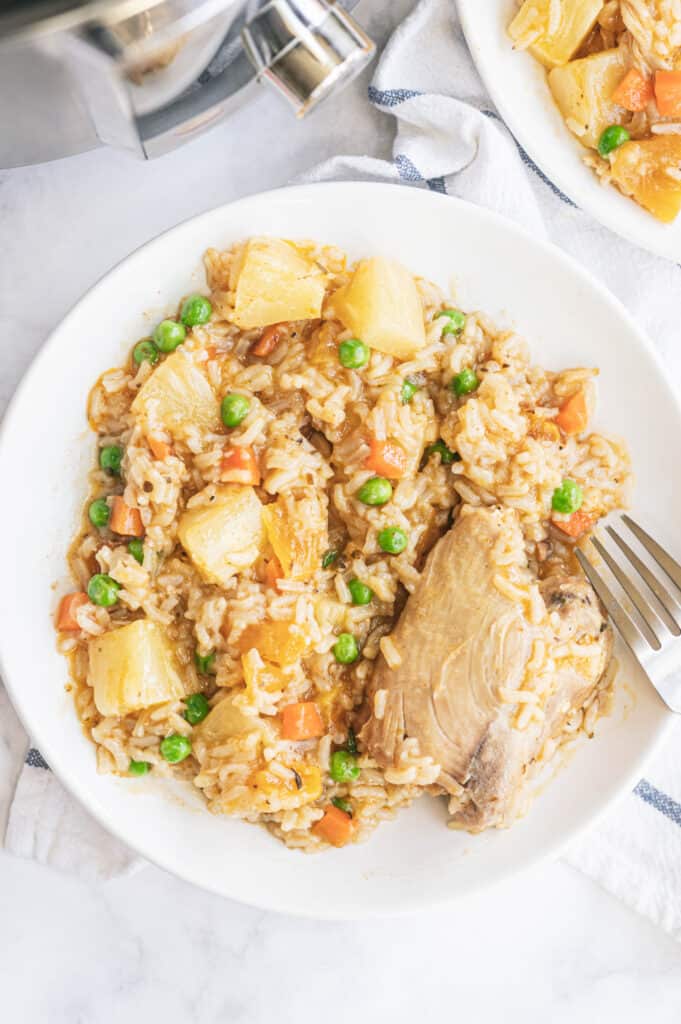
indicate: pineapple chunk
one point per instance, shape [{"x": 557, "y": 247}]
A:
[
  {"x": 575, "y": 20},
  {"x": 380, "y": 304},
  {"x": 276, "y": 282},
  {"x": 289, "y": 790},
  {"x": 225, "y": 536},
  {"x": 297, "y": 529},
  {"x": 650, "y": 172},
  {"x": 224, "y": 721},
  {"x": 176, "y": 396},
  {"x": 583, "y": 91},
  {"x": 283, "y": 643},
  {"x": 261, "y": 675},
  {"x": 132, "y": 668}
]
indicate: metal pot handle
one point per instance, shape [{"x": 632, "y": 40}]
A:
[{"x": 305, "y": 49}]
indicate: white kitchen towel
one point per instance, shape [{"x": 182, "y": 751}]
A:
[
  {"x": 47, "y": 825},
  {"x": 450, "y": 139}
]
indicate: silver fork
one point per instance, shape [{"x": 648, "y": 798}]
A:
[{"x": 652, "y": 638}]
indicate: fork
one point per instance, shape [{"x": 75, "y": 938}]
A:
[{"x": 651, "y": 638}]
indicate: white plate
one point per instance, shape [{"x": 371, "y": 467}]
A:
[
  {"x": 517, "y": 84},
  {"x": 46, "y": 451}
]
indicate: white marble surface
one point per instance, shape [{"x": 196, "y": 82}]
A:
[{"x": 548, "y": 947}]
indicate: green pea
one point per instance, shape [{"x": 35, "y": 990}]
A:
[
  {"x": 353, "y": 354},
  {"x": 196, "y": 310},
  {"x": 169, "y": 334},
  {"x": 110, "y": 458},
  {"x": 103, "y": 590},
  {"x": 136, "y": 549},
  {"x": 567, "y": 498},
  {"x": 343, "y": 767},
  {"x": 447, "y": 456},
  {"x": 329, "y": 557},
  {"x": 360, "y": 592},
  {"x": 234, "y": 409},
  {"x": 99, "y": 512},
  {"x": 145, "y": 351},
  {"x": 407, "y": 391},
  {"x": 175, "y": 748},
  {"x": 612, "y": 138},
  {"x": 345, "y": 649},
  {"x": 456, "y": 320},
  {"x": 205, "y": 663},
  {"x": 375, "y": 491},
  {"x": 342, "y": 804},
  {"x": 197, "y": 708},
  {"x": 138, "y": 767},
  {"x": 392, "y": 540},
  {"x": 465, "y": 382}
]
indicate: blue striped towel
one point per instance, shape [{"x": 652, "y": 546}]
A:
[{"x": 450, "y": 139}]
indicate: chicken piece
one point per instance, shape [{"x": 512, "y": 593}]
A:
[{"x": 465, "y": 639}]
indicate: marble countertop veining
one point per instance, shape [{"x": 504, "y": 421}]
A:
[{"x": 547, "y": 947}]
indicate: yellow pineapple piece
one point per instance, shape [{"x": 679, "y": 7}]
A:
[
  {"x": 381, "y": 305},
  {"x": 298, "y": 784},
  {"x": 583, "y": 92},
  {"x": 650, "y": 172},
  {"x": 225, "y": 536},
  {"x": 297, "y": 529},
  {"x": 555, "y": 37},
  {"x": 262, "y": 675},
  {"x": 224, "y": 721},
  {"x": 177, "y": 396},
  {"x": 132, "y": 668},
  {"x": 274, "y": 281},
  {"x": 280, "y": 642}
]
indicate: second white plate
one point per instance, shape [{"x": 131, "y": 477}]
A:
[{"x": 518, "y": 87}]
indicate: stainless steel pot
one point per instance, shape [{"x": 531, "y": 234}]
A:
[{"x": 149, "y": 75}]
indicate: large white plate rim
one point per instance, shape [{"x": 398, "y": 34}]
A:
[{"x": 32, "y": 725}]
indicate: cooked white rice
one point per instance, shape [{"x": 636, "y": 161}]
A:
[{"x": 309, "y": 421}]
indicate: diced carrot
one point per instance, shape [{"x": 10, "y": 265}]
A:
[
  {"x": 668, "y": 93},
  {"x": 160, "y": 449},
  {"x": 239, "y": 465},
  {"x": 336, "y": 826},
  {"x": 573, "y": 416},
  {"x": 301, "y": 721},
  {"x": 211, "y": 351},
  {"x": 68, "y": 606},
  {"x": 576, "y": 525},
  {"x": 635, "y": 91},
  {"x": 273, "y": 572},
  {"x": 269, "y": 340},
  {"x": 386, "y": 458},
  {"x": 125, "y": 520}
]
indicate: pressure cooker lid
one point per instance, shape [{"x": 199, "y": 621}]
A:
[{"x": 20, "y": 19}]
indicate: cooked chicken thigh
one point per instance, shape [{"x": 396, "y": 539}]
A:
[{"x": 477, "y": 639}]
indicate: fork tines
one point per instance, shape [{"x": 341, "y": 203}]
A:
[{"x": 659, "y": 617}]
